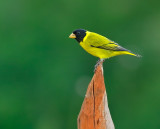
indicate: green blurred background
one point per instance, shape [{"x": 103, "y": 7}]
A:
[{"x": 44, "y": 74}]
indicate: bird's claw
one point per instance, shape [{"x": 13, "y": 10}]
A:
[{"x": 98, "y": 63}]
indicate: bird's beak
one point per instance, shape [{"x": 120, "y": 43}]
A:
[{"x": 72, "y": 36}]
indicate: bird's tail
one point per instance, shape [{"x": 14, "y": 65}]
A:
[{"x": 130, "y": 53}]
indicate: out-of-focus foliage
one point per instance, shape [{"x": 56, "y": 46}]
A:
[{"x": 44, "y": 74}]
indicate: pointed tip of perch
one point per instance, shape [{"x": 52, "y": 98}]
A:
[
  {"x": 94, "y": 112},
  {"x": 99, "y": 68}
]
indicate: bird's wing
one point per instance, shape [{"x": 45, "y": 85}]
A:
[
  {"x": 110, "y": 46},
  {"x": 102, "y": 42}
]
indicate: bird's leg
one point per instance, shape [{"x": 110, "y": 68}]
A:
[{"x": 98, "y": 63}]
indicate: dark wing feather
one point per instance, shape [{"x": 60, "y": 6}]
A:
[{"x": 111, "y": 46}]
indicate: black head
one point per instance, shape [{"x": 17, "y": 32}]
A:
[{"x": 79, "y": 34}]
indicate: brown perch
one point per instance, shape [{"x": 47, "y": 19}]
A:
[{"x": 94, "y": 112}]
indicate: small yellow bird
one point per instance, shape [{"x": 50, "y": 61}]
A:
[{"x": 98, "y": 45}]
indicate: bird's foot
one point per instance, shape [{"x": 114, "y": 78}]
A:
[{"x": 98, "y": 63}]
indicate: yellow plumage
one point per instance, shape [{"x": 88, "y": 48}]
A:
[
  {"x": 98, "y": 45},
  {"x": 101, "y": 46}
]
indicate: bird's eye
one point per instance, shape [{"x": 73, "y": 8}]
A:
[{"x": 78, "y": 33}]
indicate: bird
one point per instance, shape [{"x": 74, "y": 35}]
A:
[{"x": 98, "y": 45}]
